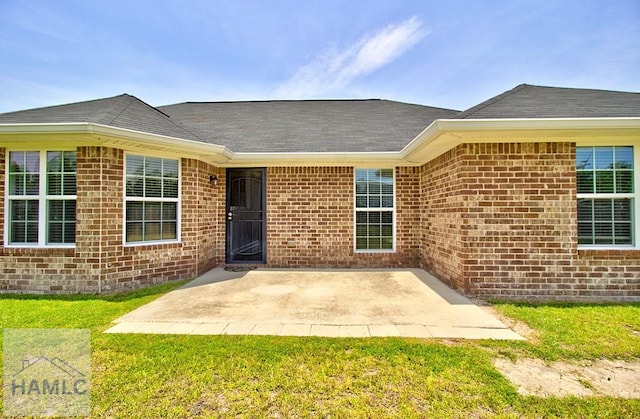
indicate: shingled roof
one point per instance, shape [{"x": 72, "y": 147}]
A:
[
  {"x": 527, "y": 101},
  {"x": 307, "y": 125},
  {"x": 317, "y": 126},
  {"x": 123, "y": 111}
]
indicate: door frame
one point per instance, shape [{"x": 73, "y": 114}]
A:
[{"x": 263, "y": 176}]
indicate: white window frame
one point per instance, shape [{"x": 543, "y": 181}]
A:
[
  {"x": 126, "y": 199},
  {"x": 635, "y": 197},
  {"x": 374, "y": 209},
  {"x": 43, "y": 198}
]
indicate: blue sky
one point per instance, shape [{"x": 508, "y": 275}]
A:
[{"x": 446, "y": 53}]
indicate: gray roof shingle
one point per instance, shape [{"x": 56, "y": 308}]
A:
[
  {"x": 527, "y": 101},
  {"x": 123, "y": 111},
  {"x": 340, "y": 126},
  {"x": 307, "y": 125}
]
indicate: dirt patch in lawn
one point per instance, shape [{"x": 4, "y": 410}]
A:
[{"x": 534, "y": 377}]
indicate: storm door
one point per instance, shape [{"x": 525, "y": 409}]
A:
[{"x": 246, "y": 216}]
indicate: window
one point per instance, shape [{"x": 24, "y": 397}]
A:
[
  {"x": 605, "y": 194},
  {"x": 151, "y": 197},
  {"x": 41, "y": 198},
  {"x": 374, "y": 212}
]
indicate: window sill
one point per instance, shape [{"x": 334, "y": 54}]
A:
[
  {"x": 607, "y": 247},
  {"x": 151, "y": 243},
  {"x": 37, "y": 246},
  {"x": 360, "y": 251}
]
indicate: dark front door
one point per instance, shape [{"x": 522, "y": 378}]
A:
[{"x": 246, "y": 216}]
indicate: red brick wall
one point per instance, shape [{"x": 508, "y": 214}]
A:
[
  {"x": 199, "y": 249},
  {"x": 497, "y": 220},
  {"x": 611, "y": 274},
  {"x": 57, "y": 270},
  {"x": 210, "y": 234},
  {"x": 518, "y": 230},
  {"x": 521, "y": 217},
  {"x": 100, "y": 262},
  {"x": 310, "y": 219},
  {"x": 442, "y": 216}
]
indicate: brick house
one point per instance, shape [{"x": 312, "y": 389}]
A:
[{"x": 529, "y": 195}]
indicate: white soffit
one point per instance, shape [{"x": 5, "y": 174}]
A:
[{"x": 439, "y": 137}]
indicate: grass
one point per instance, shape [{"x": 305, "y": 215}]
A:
[
  {"x": 73, "y": 311},
  {"x": 249, "y": 376},
  {"x": 578, "y": 331},
  {"x": 262, "y": 376}
]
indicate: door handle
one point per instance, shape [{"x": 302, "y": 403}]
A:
[{"x": 230, "y": 216}]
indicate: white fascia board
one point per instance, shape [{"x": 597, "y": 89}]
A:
[
  {"x": 440, "y": 136},
  {"x": 40, "y": 129},
  {"x": 143, "y": 138},
  {"x": 209, "y": 152},
  {"x": 443, "y": 134},
  {"x": 392, "y": 158},
  {"x": 538, "y": 124},
  {"x": 187, "y": 145},
  {"x": 427, "y": 135}
]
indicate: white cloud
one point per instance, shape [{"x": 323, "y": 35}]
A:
[{"x": 334, "y": 69}]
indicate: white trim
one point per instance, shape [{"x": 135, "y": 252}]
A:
[
  {"x": 371, "y": 159},
  {"x": 100, "y": 129},
  {"x": 122, "y": 138},
  {"x": 42, "y": 197},
  {"x": 606, "y": 247},
  {"x": 440, "y": 136},
  {"x": 150, "y": 243},
  {"x": 444, "y": 134},
  {"x": 39, "y": 246},
  {"x": 392, "y": 210},
  {"x": 126, "y": 199},
  {"x": 633, "y": 196},
  {"x": 537, "y": 123},
  {"x": 606, "y": 195}
]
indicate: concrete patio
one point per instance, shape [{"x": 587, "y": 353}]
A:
[{"x": 333, "y": 303}]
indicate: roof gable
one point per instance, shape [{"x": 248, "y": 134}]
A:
[{"x": 527, "y": 101}]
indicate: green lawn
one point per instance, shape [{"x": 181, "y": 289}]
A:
[{"x": 222, "y": 376}]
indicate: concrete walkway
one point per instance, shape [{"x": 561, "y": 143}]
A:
[{"x": 335, "y": 303}]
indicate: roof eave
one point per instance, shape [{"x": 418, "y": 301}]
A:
[
  {"x": 444, "y": 134},
  {"x": 122, "y": 138},
  {"x": 439, "y": 137},
  {"x": 370, "y": 159},
  {"x": 539, "y": 123}
]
